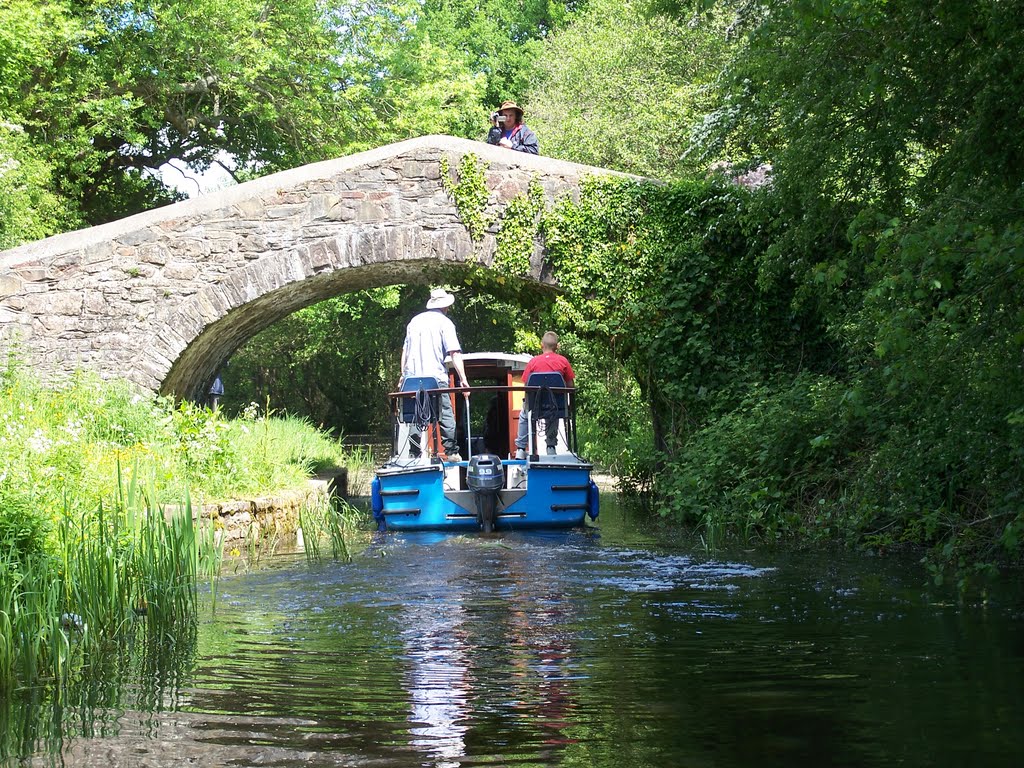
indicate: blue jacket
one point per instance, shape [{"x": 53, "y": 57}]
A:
[{"x": 524, "y": 140}]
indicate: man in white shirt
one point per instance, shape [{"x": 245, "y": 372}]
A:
[{"x": 430, "y": 337}]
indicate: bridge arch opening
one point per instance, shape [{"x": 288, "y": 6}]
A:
[{"x": 335, "y": 364}]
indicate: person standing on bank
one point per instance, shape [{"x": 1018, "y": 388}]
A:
[
  {"x": 548, "y": 361},
  {"x": 508, "y": 130},
  {"x": 430, "y": 338},
  {"x": 215, "y": 392}
]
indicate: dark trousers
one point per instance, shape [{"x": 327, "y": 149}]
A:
[{"x": 446, "y": 422}]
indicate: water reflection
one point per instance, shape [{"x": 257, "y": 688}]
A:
[
  {"x": 134, "y": 683},
  {"x": 488, "y": 644},
  {"x": 438, "y": 653},
  {"x": 608, "y": 648}
]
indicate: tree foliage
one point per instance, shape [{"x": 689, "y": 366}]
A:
[
  {"x": 619, "y": 87},
  {"x": 97, "y": 95},
  {"x": 889, "y": 243},
  {"x": 110, "y": 90}
]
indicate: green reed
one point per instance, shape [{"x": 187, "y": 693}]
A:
[
  {"x": 331, "y": 523},
  {"x": 32, "y": 636},
  {"x": 131, "y": 568}
]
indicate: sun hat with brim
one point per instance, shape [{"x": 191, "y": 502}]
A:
[
  {"x": 511, "y": 105},
  {"x": 439, "y": 299}
]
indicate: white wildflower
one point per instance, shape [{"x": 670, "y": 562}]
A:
[{"x": 39, "y": 442}]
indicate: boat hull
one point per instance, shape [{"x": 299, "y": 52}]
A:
[{"x": 535, "y": 495}]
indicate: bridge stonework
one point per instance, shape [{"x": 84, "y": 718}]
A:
[{"x": 163, "y": 298}]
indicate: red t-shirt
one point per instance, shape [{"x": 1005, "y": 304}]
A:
[{"x": 550, "y": 362}]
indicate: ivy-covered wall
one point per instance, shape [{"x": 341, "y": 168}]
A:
[{"x": 771, "y": 416}]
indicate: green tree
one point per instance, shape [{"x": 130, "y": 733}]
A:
[
  {"x": 102, "y": 93},
  {"x": 893, "y": 214},
  {"x": 449, "y": 63},
  {"x": 107, "y": 91},
  {"x": 621, "y": 87}
]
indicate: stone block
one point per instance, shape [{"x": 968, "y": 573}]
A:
[
  {"x": 251, "y": 209},
  {"x": 183, "y": 224},
  {"x": 10, "y": 285},
  {"x": 252, "y": 242},
  {"x": 181, "y": 271},
  {"x": 509, "y": 190},
  {"x": 236, "y": 508},
  {"x": 10, "y": 317},
  {"x": 94, "y": 303},
  {"x": 153, "y": 253},
  {"x": 31, "y": 272},
  {"x": 285, "y": 211},
  {"x": 54, "y": 323},
  {"x": 137, "y": 237},
  {"x": 192, "y": 249},
  {"x": 370, "y": 212},
  {"x": 141, "y": 294},
  {"x": 323, "y": 254}
]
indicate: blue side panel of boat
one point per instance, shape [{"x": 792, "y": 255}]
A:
[
  {"x": 414, "y": 500},
  {"x": 557, "y": 496}
]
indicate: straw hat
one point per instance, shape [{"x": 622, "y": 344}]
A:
[{"x": 439, "y": 299}]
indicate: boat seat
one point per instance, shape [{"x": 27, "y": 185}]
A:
[
  {"x": 550, "y": 406},
  {"x": 543, "y": 403},
  {"x": 423, "y": 408}
]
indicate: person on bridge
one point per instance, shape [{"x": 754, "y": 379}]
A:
[
  {"x": 547, "y": 361},
  {"x": 430, "y": 337},
  {"x": 508, "y": 130}
]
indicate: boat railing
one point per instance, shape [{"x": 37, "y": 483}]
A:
[
  {"x": 436, "y": 392},
  {"x": 479, "y": 388}
]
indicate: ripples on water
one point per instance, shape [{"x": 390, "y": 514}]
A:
[{"x": 591, "y": 648}]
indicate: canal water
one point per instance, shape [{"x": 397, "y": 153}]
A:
[{"x": 620, "y": 645}]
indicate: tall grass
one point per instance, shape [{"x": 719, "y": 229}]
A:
[
  {"x": 326, "y": 524},
  {"x": 98, "y": 540},
  {"x": 129, "y": 568}
]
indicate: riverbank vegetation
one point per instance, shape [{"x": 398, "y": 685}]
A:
[
  {"x": 813, "y": 330},
  {"x": 99, "y": 542}
]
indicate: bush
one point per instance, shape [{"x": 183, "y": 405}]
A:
[{"x": 771, "y": 467}]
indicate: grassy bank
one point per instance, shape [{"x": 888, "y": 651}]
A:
[{"x": 90, "y": 552}]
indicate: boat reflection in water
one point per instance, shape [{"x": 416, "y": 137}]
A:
[
  {"x": 491, "y": 659},
  {"x": 438, "y": 680},
  {"x": 427, "y": 490}
]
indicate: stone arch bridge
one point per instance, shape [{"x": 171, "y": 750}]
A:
[{"x": 163, "y": 298}]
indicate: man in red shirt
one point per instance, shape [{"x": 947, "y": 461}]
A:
[{"x": 547, "y": 361}]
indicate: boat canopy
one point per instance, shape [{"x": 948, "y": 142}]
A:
[{"x": 475, "y": 360}]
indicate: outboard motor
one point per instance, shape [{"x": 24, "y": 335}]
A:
[{"x": 485, "y": 477}]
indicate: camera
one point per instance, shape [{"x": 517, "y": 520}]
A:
[{"x": 495, "y": 132}]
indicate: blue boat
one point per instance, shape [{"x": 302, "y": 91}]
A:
[{"x": 490, "y": 489}]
